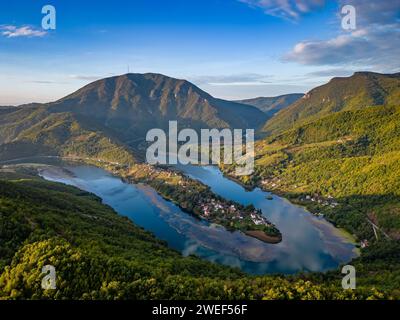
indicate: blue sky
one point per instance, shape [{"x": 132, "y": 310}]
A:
[{"x": 231, "y": 48}]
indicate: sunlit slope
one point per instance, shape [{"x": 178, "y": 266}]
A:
[{"x": 363, "y": 89}]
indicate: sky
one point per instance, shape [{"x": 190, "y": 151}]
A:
[{"x": 233, "y": 49}]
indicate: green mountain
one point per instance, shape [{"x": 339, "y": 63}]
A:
[
  {"x": 271, "y": 105},
  {"x": 134, "y": 103},
  {"x": 32, "y": 131},
  {"x": 337, "y": 152},
  {"x": 109, "y": 118},
  {"x": 351, "y": 156},
  {"x": 346, "y": 167},
  {"x": 363, "y": 89}
]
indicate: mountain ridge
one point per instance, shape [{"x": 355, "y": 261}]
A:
[
  {"x": 362, "y": 89},
  {"x": 118, "y": 111},
  {"x": 272, "y": 105},
  {"x": 139, "y": 102}
]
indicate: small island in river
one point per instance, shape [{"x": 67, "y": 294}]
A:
[{"x": 197, "y": 199}]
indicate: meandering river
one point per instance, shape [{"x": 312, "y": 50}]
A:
[{"x": 309, "y": 243}]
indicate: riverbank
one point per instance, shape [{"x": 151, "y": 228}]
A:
[
  {"x": 197, "y": 199},
  {"x": 320, "y": 246},
  {"x": 263, "y": 236},
  {"x": 192, "y": 197},
  {"x": 310, "y": 207}
]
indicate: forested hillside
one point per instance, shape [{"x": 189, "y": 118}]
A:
[
  {"x": 351, "y": 156},
  {"x": 337, "y": 152},
  {"x": 109, "y": 118},
  {"x": 363, "y": 89},
  {"x": 27, "y": 132},
  {"x": 134, "y": 103}
]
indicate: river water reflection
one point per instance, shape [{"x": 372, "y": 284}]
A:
[{"x": 309, "y": 243}]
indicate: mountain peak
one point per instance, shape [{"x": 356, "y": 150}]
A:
[{"x": 134, "y": 103}]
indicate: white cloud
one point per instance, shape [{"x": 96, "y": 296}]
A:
[
  {"x": 376, "y": 47},
  {"x": 332, "y": 72},
  {"x": 232, "y": 80},
  {"x": 373, "y": 45},
  {"x": 85, "y": 77},
  {"x": 374, "y": 11},
  {"x": 11, "y": 31},
  {"x": 286, "y": 9}
]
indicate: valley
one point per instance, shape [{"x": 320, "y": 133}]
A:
[
  {"x": 190, "y": 235},
  {"x": 190, "y": 195},
  {"x": 334, "y": 151}
]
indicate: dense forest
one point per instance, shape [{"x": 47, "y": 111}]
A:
[
  {"x": 101, "y": 255},
  {"x": 350, "y": 156},
  {"x": 343, "y": 165}
]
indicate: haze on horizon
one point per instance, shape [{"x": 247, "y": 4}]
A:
[{"x": 234, "y": 49}]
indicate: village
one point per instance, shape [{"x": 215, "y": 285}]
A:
[
  {"x": 197, "y": 199},
  {"x": 233, "y": 216},
  {"x": 328, "y": 201},
  {"x": 221, "y": 210}
]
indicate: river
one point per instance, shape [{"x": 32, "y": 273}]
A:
[{"x": 309, "y": 243}]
